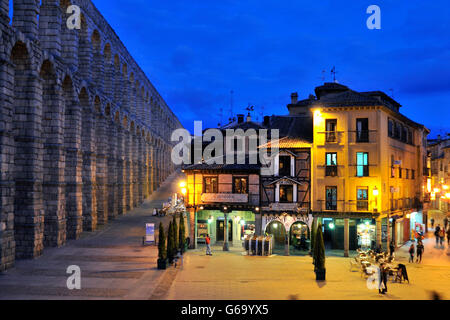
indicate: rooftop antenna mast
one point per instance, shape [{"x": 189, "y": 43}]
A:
[
  {"x": 323, "y": 76},
  {"x": 333, "y": 73}
]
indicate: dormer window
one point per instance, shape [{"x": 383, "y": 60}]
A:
[{"x": 285, "y": 166}]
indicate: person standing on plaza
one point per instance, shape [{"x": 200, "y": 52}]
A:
[
  {"x": 436, "y": 234},
  {"x": 411, "y": 253},
  {"x": 420, "y": 250},
  {"x": 384, "y": 272},
  {"x": 441, "y": 237},
  {"x": 391, "y": 248},
  {"x": 208, "y": 247},
  {"x": 448, "y": 237},
  {"x": 432, "y": 222},
  {"x": 445, "y": 223}
]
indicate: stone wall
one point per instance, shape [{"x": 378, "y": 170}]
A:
[{"x": 84, "y": 135}]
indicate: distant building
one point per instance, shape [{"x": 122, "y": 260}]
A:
[{"x": 439, "y": 150}]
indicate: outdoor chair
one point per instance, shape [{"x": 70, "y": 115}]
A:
[
  {"x": 366, "y": 273},
  {"x": 354, "y": 264}
]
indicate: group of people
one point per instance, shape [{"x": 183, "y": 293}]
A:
[
  {"x": 419, "y": 251},
  {"x": 440, "y": 232}
]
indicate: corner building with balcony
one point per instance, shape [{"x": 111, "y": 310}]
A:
[{"x": 367, "y": 167}]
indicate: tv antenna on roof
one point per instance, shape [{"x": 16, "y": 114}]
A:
[
  {"x": 323, "y": 76},
  {"x": 333, "y": 73}
]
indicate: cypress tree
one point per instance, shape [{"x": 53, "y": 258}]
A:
[
  {"x": 319, "y": 250},
  {"x": 181, "y": 233},
  {"x": 175, "y": 234},
  {"x": 170, "y": 254},
  {"x": 162, "y": 254},
  {"x": 313, "y": 235}
]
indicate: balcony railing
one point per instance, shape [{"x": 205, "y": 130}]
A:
[
  {"x": 332, "y": 136},
  {"x": 331, "y": 171},
  {"x": 363, "y": 136},
  {"x": 343, "y": 206},
  {"x": 362, "y": 205}
]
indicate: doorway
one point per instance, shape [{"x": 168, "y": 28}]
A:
[{"x": 221, "y": 229}]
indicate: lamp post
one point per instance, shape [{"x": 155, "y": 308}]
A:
[{"x": 225, "y": 236}]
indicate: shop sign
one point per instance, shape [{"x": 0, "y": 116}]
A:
[
  {"x": 283, "y": 206},
  {"x": 224, "y": 197}
]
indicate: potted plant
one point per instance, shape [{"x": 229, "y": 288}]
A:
[
  {"x": 319, "y": 254},
  {"x": 170, "y": 253},
  {"x": 312, "y": 236},
  {"x": 162, "y": 254},
  {"x": 175, "y": 235},
  {"x": 181, "y": 234}
]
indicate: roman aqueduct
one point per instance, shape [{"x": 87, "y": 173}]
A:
[{"x": 84, "y": 135}]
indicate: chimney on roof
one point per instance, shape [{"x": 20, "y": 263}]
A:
[
  {"x": 294, "y": 98},
  {"x": 266, "y": 121},
  {"x": 240, "y": 118},
  {"x": 249, "y": 118}
]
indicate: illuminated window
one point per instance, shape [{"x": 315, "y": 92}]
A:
[
  {"x": 286, "y": 193},
  {"x": 240, "y": 185},
  {"x": 210, "y": 185},
  {"x": 331, "y": 125},
  {"x": 331, "y": 164},
  {"x": 362, "y": 164},
  {"x": 362, "y": 198}
]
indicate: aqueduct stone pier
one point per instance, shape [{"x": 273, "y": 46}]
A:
[{"x": 84, "y": 135}]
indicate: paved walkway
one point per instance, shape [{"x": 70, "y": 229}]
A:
[
  {"x": 233, "y": 275},
  {"x": 114, "y": 263}
]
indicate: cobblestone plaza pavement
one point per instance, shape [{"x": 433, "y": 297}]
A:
[
  {"x": 115, "y": 265},
  {"x": 113, "y": 262},
  {"x": 235, "y": 276}
]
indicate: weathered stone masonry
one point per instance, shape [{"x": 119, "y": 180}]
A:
[{"x": 84, "y": 135}]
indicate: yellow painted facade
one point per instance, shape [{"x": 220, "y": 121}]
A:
[{"x": 394, "y": 194}]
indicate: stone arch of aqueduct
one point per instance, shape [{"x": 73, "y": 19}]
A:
[{"x": 84, "y": 135}]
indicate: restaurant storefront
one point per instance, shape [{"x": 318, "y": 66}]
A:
[
  {"x": 362, "y": 233},
  {"x": 290, "y": 232},
  {"x": 212, "y": 222}
]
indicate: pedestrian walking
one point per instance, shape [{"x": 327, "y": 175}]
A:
[
  {"x": 420, "y": 250},
  {"x": 432, "y": 222},
  {"x": 445, "y": 223},
  {"x": 411, "y": 253},
  {"x": 448, "y": 237},
  {"x": 441, "y": 237},
  {"x": 436, "y": 234},
  {"x": 208, "y": 247}
]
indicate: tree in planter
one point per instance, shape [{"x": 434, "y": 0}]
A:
[
  {"x": 319, "y": 254},
  {"x": 170, "y": 251},
  {"x": 162, "y": 254},
  {"x": 313, "y": 235},
  {"x": 181, "y": 234},
  {"x": 175, "y": 235}
]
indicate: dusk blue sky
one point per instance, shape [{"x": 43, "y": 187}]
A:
[{"x": 196, "y": 51}]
